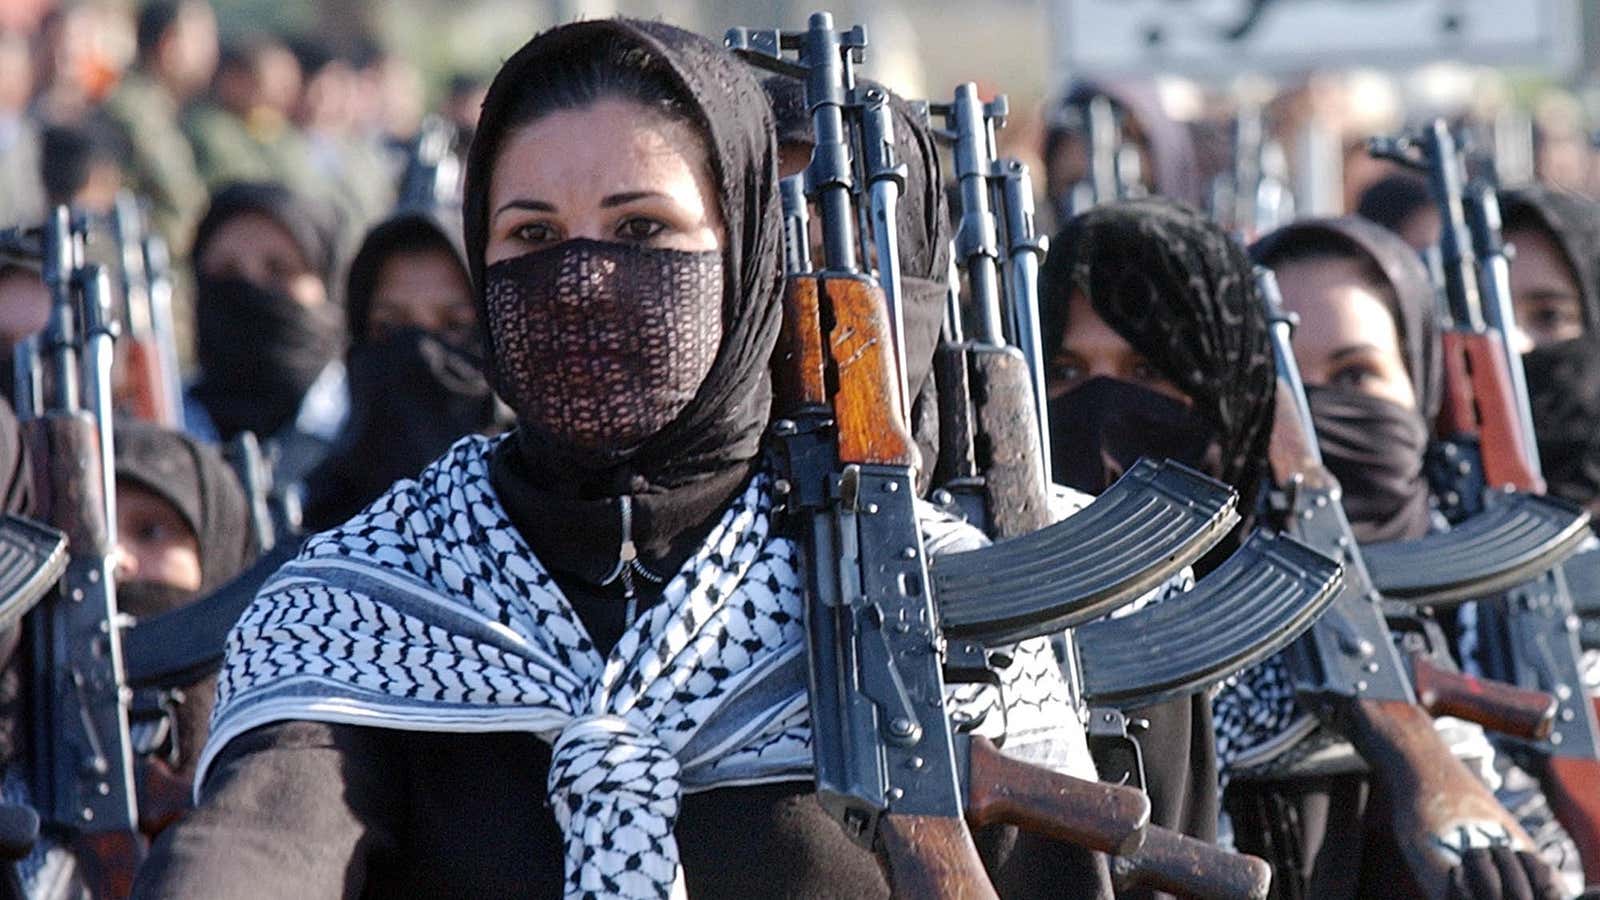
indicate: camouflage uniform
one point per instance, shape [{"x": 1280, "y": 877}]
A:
[{"x": 162, "y": 166}]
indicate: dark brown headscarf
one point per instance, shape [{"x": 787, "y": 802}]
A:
[
  {"x": 1409, "y": 294},
  {"x": 1573, "y": 221},
  {"x": 724, "y": 423}
]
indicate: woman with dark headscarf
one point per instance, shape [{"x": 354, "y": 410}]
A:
[
  {"x": 1368, "y": 349},
  {"x": 268, "y": 327},
  {"x": 1555, "y": 271},
  {"x": 1555, "y": 284},
  {"x": 587, "y": 633},
  {"x": 1161, "y": 350},
  {"x": 415, "y": 366}
]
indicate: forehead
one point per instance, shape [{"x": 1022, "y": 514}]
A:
[
  {"x": 1538, "y": 257},
  {"x": 1337, "y": 304},
  {"x": 607, "y": 146},
  {"x": 1086, "y": 331},
  {"x": 251, "y": 233}
]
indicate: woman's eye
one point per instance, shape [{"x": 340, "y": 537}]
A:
[
  {"x": 1064, "y": 370},
  {"x": 1353, "y": 376},
  {"x": 536, "y": 233},
  {"x": 638, "y": 228}
]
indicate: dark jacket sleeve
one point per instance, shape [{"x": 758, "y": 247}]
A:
[{"x": 293, "y": 810}]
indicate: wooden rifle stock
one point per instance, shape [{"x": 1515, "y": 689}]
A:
[
  {"x": 141, "y": 388},
  {"x": 932, "y": 856},
  {"x": 1427, "y": 794},
  {"x": 1495, "y": 705},
  {"x": 1478, "y": 401}
]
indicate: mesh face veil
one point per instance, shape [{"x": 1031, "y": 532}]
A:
[{"x": 601, "y": 345}]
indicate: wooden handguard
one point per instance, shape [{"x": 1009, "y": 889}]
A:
[
  {"x": 1497, "y": 706},
  {"x": 932, "y": 856},
  {"x": 1428, "y": 794},
  {"x": 1289, "y": 450},
  {"x": 67, "y": 478},
  {"x": 1001, "y": 790},
  {"x": 1178, "y": 864},
  {"x": 1478, "y": 400},
  {"x": 836, "y": 350},
  {"x": 141, "y": 390},
  {"x": 800, "y": 368}
]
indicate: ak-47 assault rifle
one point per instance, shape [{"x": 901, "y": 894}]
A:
[
  {"x": 1485, "y": 448},
  {"x": 1348, "y": 671},
  {"x": 887, "y": 763},
  {"x": 83, "y": 785}
]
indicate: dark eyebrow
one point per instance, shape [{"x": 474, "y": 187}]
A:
[
  {"x": 628, "y": 197},
  {"x": 531, "y": 205},
  {"x": 1353, "y": 350}
]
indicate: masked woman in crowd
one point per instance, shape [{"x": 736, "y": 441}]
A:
[
  {"x": 414, "y": 366},
  {"x": 268, "y": 326},
  {"x": 1368, "y": 349},
  {"x": 1160, "y": 350},
  {"x": 569, "y": 660},
  {"x": 1555, "y": 284}
]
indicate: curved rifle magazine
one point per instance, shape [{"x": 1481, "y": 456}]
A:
[
  {"x": 1256, "y": 603},
  {"x": 1156, "y": 519}
]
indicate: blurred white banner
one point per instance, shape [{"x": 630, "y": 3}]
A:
[{"x": 1222, "y": 38}]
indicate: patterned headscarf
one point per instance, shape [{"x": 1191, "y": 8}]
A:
[{"x": 1182, "y": 292}]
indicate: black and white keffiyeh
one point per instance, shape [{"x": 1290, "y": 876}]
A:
[{"x": 428, "y": 612}]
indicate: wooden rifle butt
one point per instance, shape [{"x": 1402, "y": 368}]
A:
[
  {"x": 1106, "y": 817},
  {"x": 1182, "y": 865},
  {"x": 1496, "y": 705},
  {"x": 932, "y": 857},
  {"x": 108, "y": 862}
]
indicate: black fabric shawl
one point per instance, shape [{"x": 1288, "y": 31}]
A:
[
  {"x": 1172, "y": 151},
  {"x": 1182, "y": 293},
  {"x": 200, "y": 485},
  {"x": 391, "y": 236},
  {"x": 1410, "y": 293},
  {"x": 724, "y": 423},
  {"x": 1574, "y": 222}
]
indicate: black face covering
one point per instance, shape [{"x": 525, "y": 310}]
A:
[
  {"x": 142, "y": 599},
  {"x": 1100, "y": 428},
  {"x": 412, "y": 395},
  {"x": 600, "y": 345},
  {"x": 1374, "y": 447},
  {"x": 259, "y": 351}
]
